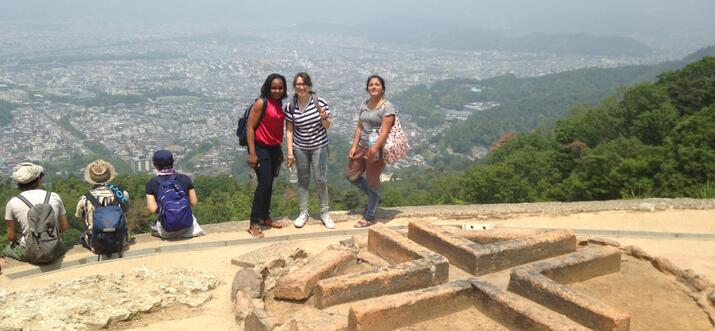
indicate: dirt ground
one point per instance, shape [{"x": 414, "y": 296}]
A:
[{"x": 655, "y": 300}]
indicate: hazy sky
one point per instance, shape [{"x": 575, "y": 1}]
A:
[{"x": 651, "y": 18}]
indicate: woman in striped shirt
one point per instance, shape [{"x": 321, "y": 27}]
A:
[{"x": 306, "y": 131}]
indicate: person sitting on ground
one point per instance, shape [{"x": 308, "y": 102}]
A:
[
  {"x": 38, "y": 239},
  {"x": 99, "y": 174},
  {"x": 176, "y": 190}
]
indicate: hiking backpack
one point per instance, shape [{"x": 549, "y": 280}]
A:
[
  {"x": 174, "y": 208},
  {"x": 109, "y": 227},
  {"x": 243, "y": 122},
  {"x": 43, "y": 242}
]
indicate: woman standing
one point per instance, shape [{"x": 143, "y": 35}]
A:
[
  {"x": 307, "y": 120},
  {"x": 376, "y": 117},
  {"x": 264, "y": 134}
]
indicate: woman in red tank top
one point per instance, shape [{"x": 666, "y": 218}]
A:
[{"x": 264, "y": 134}]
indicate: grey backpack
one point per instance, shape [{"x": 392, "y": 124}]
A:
[{"x": 43, "y": 243}]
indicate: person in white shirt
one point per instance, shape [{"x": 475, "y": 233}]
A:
[{"x": 29, "y": 180}]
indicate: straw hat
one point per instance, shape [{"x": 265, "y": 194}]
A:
[
  {"x": 26, "y": 172},
  {"x": 99, "y": 172}
]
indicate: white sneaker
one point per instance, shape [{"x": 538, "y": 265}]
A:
[
  {"x": 300, "y": 220},
  {"x": 327, "y": 220}
]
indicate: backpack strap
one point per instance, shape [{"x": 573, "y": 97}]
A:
[
  {"x": 263, "y": 110},
  {"x": 91, "y": 198},
  {"x": 119, "y": 196},
  {"x": 47, "y": 197},
  {"x": 23, "y": 199}
]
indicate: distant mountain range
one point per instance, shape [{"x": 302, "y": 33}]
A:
[{"x": 425, "y": 34}]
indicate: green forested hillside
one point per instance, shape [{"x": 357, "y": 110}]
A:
[
  {"x": 525, "y": 103},
  {"x": 658, "y": 139}
]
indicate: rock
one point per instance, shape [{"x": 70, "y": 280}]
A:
[
  {"x": 604, "y": 242},
  {"x": 3, "y": 294},
  {"x": 637, "y": 252},
  {"x": 248, "y": 281},
  {"x": 711, "y": 297},
  {"x": 273, "y": 255},
  {"x": 665, "y": 266},
  {"x": 258, "y": 320},
  {"x": 245, "y": 304},
  {"x": 98, "y": 301},
  {"x": 311, "y": 318},
  {"x": 646, "y": 206},
  {"x": 695, "y": 281}
]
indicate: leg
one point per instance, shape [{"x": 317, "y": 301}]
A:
[
  {"x": 319, "y": 166},
  {"x": 373, "y": 172},
  {"x": 303, "y": 161},
  {"x": 262, "y": 195}
]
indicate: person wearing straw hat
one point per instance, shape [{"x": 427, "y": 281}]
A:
[
  {"x": 28, "y": 177},
  {"x": 99, "y": 174}
]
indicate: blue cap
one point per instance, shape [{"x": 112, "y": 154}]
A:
[{"x": 162, "y": 156}]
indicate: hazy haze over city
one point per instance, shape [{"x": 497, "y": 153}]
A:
[{"x": 175, "y": 74}]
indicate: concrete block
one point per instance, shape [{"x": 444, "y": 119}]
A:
[
  {"x": 483, "y": 259},
  {"x": 459, "y": 251},
  {"x": 396, "y": 278},
  {"x": 310, "y": 318},
  {"x": 393, "y": 247},
  {"x": 258, "y": 320},
  {"x": 517, "y": 313},
  {"x": 298, "y": 285},
  {"x": 531, "y": 281},
  {"x": 484, "y": 237},
  {"x": 399, "y": 310}
]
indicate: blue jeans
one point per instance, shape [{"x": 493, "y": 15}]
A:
[
  {"x": 269, "y": 160},
  {"x": 366, "y": 176},
  {"x": 315, "y": 160}
]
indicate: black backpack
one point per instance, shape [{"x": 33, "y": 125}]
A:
[
  {"x": 243, "y": 122},
  {"x": 109, "y": 227}
]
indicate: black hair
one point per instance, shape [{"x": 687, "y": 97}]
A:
[
  {"x": 164, "y": 164},
  {"x": 266, "y": 88},
  {"x": 382, "y": 82},
  {"x": 31, "y": 185}
]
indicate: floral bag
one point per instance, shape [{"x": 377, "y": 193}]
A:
[{"x": 396, "y": 146}]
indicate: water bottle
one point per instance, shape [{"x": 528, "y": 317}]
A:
[
  {"x": 372, "y": 139},
  {"x": 293, "y": 177}
]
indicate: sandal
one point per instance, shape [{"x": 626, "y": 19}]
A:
[
  {"x": 254, "y": 231},
  {"x": 363, "y": 223},
  {"x": 271, "y": 223}
]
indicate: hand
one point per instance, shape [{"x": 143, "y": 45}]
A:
[
  {"x": 351, "y": 152},
  {"x": 323, "y": 114},
  {"x": 252, "y": 160},
  {"x": 372, "y": 153},
  {"x": 291, "y": 161}
]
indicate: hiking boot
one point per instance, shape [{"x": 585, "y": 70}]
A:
[
  {"x": 300, "y": 220},
  {"x": 327, "y": 220}
]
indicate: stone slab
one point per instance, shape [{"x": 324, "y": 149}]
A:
[
  {"x": 396, "y": 278},
  {"x": 299, "y": 284},
  {"x": 399, "y": 310},
  {"x": 310, "y": 318},
  {"x": 259, "y": 320},
  {"x": 268, "y": 255},
  {"x": 516, "y": 312},
  {"x": 483, "y": 259},
  {"x": 484, "y": 237},
  {"x": 531, "y": 282},
  {"x": 394, "y": 247}
]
